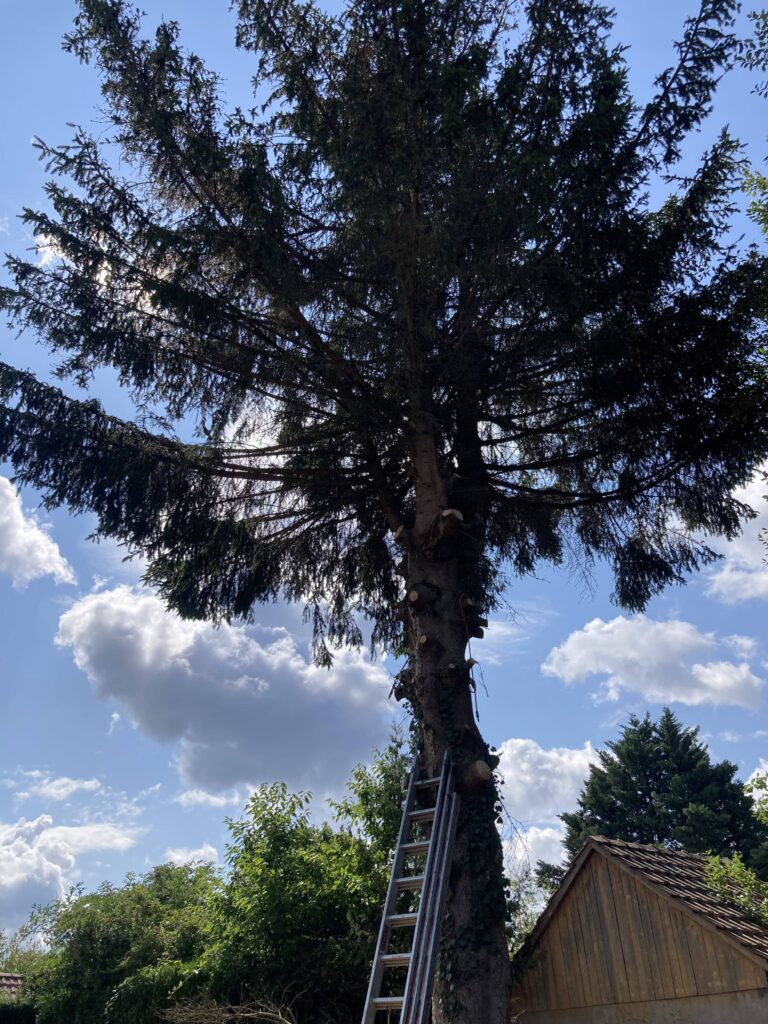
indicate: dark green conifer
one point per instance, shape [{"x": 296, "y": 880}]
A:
[
  {"x": 424, "y": 323},
  {"x": 658, "y": 784}
]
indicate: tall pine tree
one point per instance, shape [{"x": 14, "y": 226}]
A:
[{"x": 426, "y": 324}]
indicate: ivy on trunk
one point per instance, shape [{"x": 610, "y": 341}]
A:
[{"x": 413, "y": 321}]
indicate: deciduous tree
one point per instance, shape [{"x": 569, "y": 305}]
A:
[{"x": 397, "y": 337}]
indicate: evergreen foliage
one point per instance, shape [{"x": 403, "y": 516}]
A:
[
  {"x": 418, "y": 304},
  {"x": 755, "y": 57},
  {"x": 657, "y": 784},
  {"x": 439, "y": 227}
]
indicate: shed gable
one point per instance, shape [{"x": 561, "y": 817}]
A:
[{"x": 613, "y": 940}]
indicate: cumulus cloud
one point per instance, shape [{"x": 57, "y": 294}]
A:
[
  {"x": 744, "y": 646},
  {"x": 83, "y": 838},
  {"x": 183, "y": 855},
  {"x": 27, "y": 552},
  {"x": 52, "y": 787},
  {"x": 27, "y": 874},
  {"x": 243, "y": 706},
  {"x": 662, "y": 661},
  {"x": 545, "y": 844},
  {"x": 36, "y": 857},
  {"x": 541, "y": 783},
  {"x": 743, "y": 573}
]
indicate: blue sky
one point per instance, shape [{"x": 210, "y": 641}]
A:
[{"x": 126, "y": 736}]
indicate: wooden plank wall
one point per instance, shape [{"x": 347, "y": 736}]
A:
[{"x": 612, "y": 940}]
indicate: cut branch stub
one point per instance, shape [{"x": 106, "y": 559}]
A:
[
  {"x": 422, "y": 595},
  {"x": 476, "y": 774},
  {"x": 400, "y": 535},
  {"x": 449, "y": 523},
  {"x": 429, "y": 643}
]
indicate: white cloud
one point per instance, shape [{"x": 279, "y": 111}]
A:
[
  {"x": 241, "y": 709},
  {"x": 529, "y": 846},
  {"x": 201, "y": 798},
  {"x": 541, "y": 783},
  {"x": 36, "y": 858},
  {"x": 656, "y": 659},
  {"x": 545, "y": 844},
  {"x": 27, "y": 874},
  {"x": 183, "y": 855},
  {"x": 744, "y": 646},
  {"x": 26, "y": 550},
  {"x": 77, "y": 839},
  {"x": 743, "y": 574},
  {"x": 51, "y": 787}
]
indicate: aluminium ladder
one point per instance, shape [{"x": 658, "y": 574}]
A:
[{"x": 414, "y": 1003}]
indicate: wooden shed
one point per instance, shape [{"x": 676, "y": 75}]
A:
[{"x": 634, "y": 935}]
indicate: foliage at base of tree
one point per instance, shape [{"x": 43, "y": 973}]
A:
[
  {"x": 118, "y": 952},
  {"x": 291, "y": 923}
]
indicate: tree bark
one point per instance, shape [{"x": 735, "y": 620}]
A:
[{"x": 443, "y": 565}]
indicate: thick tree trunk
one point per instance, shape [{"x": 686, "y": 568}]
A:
[{"x": 443, "y": 569}]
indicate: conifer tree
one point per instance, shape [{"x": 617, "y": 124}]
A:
[
  {"x": 658, "y": 784},
  {"x": 415, "y": 322}
]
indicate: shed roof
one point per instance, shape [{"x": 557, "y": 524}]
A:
[{"x": 675, "y": 874}]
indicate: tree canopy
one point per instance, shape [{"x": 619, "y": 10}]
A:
[
  {"x": 438, "y": 233},
  {"x": 412, "y": 314},
  {"x": 658, "y": 784}
]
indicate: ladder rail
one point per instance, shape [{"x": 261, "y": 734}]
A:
[
  {"x": 377, "y": 968},
  {"x": 423, "y": 941},
  {"x": 420, "y": 961},
  {"x": 428, "y": 964}
]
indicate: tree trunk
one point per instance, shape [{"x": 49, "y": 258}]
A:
[{"x": 472, "y": 985}]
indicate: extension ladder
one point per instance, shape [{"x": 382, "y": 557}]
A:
[{"x": 439, "y": 818}]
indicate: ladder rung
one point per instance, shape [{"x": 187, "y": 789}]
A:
[
  {"x": 388, "y": 1003},
  {"x": 395, "y": 959},
  {"x": 420, "y": 847},
  {"x": 410, "y": 882},
  {"x": 401, "y": 920},
  {"x": 425, "y": 783},
  {"x": 425, "y": 814}
]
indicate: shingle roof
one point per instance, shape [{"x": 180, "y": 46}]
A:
[{"x": 682, "y": 876}]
